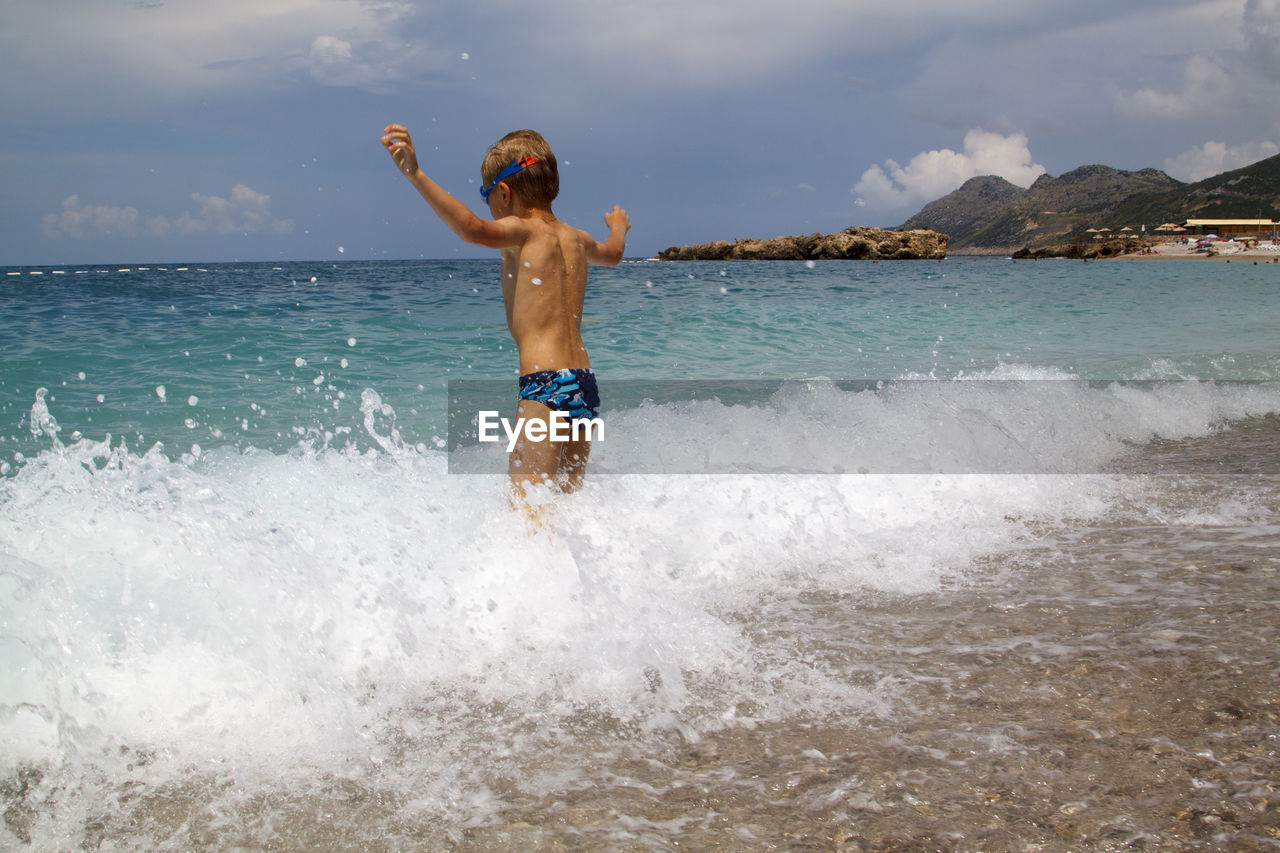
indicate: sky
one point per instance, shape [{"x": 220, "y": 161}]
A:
[{"x": 139, "y": 131}]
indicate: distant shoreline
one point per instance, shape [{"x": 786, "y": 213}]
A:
[
  {"x": 1265, "y": 258},
  {"x": 1149, "y": 252},
  {"x": 1182, "y": 252}
]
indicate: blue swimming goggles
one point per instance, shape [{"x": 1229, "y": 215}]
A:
[{"x": 517, "y": 166}]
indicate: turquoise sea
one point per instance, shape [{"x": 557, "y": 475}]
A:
[{"x": 245, "y": 601}]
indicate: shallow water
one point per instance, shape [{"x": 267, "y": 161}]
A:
[{"x": 1043, "y": 618}]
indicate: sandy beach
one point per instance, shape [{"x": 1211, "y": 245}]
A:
[{"x": 1263, "y": 253}]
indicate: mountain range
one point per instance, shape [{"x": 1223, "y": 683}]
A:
[{"x": 989, "y": 215}]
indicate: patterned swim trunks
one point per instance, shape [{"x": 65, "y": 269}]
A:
[{"x": 571, "y": 389}]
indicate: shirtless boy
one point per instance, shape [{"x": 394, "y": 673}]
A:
[{"x": 544, "y": 279}]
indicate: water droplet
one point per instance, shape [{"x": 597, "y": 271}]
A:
[
  {"x": 299, "y": 362},
  {"x": 193, "y": 400},
  {"x": 160, "y": 392},
  {"x": 536, "y": 280}
]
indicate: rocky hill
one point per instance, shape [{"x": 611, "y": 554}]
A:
[
  {"x": 850, "y": 244},
  {"x": 989, "y": 214}
]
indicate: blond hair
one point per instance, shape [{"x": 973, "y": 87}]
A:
[{"x": 536, "y": 184}]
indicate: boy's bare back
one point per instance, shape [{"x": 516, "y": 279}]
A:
[{"x": 544, "y": 284}]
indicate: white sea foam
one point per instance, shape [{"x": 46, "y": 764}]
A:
[
  {"x": 1008, "y": 421},
  {"x": 301, "y": 598}
]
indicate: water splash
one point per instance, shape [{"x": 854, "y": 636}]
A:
[
  {"x": 42, "y": 420},
  {"x": 372, "y": 407}
]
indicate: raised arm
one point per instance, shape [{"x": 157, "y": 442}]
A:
[
  {"x": 609, "y": 253},
  {"x": 499, "y": 234}
]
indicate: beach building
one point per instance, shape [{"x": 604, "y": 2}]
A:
[{"x": 1222, "y": 227}]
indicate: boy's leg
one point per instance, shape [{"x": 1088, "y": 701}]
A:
[
  {"x": 573, "y": 463},
  {"x": 574, "y": 453},
  {"x": 532, "y": 462}
]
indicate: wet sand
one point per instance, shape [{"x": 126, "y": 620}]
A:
[{"x": 1104, "y": 732}]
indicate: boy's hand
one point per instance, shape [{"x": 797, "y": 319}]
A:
[
  {"x": 617, "y": 218},
  {"x": 397, "y": 142},
  {"x": 609, "y": 253}
]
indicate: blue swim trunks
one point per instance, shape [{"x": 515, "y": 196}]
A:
[{"x": 571, "y": 389}]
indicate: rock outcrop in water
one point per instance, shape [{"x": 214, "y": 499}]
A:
[
  {"x": 851, "y": 244},
  {"x": 1085, "y": 251}
]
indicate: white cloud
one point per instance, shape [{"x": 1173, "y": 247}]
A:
[
  {"x": 1205, "y": 83},
  {"x": 246, "y": 211},
  {"x": 373, "y": 61},
  {"x": 328, "y": 52},
  {"x": 1214, "y": 158},
  {"x": 77, "y": 220},
  {"x": 932, "y": 174}
]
